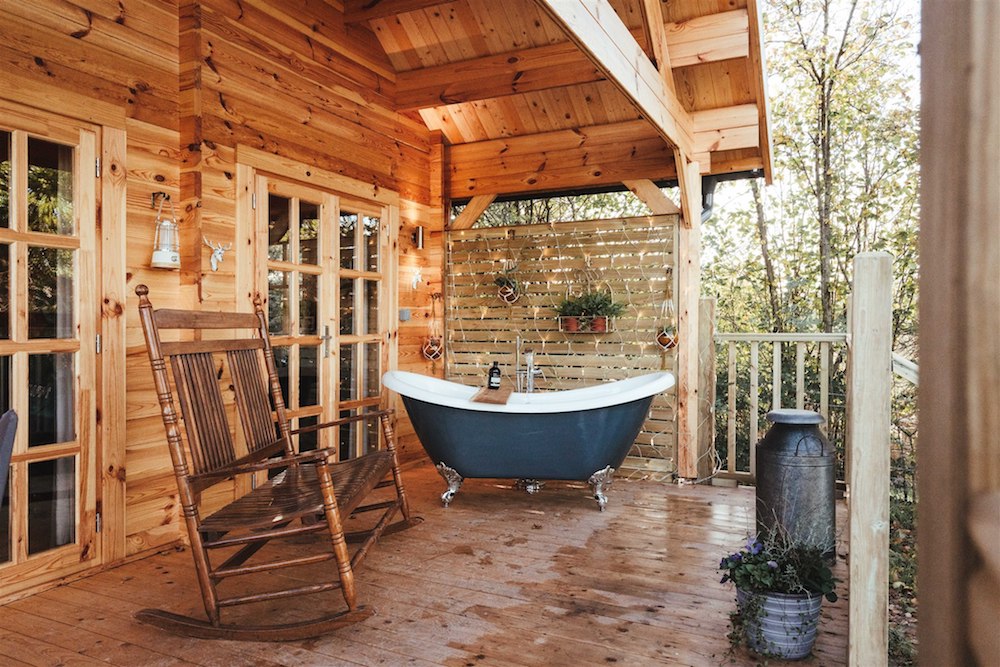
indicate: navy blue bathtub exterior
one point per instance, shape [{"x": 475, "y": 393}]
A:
[{"x": 560, "y": 445}]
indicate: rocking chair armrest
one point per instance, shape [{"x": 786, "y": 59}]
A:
[
  {"x": 344, "y": 420},
  {"x": 315, "y": 456}
]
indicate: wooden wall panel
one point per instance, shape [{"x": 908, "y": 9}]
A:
[{"x": 628, "y": 257}]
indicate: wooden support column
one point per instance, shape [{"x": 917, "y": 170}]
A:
[
  {"x": 706, "y": 386},
  {"x": 959, "y": 450},
  {"x": 111, "y": 366},
  {"x": 688, "y": 254},
  {"x": 191, "y": 137},
  {"x": 869, "y": 395}
]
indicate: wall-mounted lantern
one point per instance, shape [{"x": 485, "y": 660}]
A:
[
  {"x": 166, "y": 241},
  {"x": 418, "y": 237}
]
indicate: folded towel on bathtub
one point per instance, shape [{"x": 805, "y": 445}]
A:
[{"x": 497, "y": 396}]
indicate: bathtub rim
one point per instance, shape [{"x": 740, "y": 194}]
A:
[{"x": 455, "y": 395}]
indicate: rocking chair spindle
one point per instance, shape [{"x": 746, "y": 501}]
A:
[{"x": 311, "y": 493}]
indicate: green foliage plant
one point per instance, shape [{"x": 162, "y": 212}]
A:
[
  {"x": 600, "y": 304},
  {"x": 773, "y": 564},
  {"x": 569, "y": 307}
]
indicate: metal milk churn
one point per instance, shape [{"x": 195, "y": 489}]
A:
[{"x": 796, "y": 480}]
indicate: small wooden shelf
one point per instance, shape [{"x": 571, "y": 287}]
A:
[{"x": 586, "y": 324}]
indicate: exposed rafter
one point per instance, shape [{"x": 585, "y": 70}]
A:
[
  {"x": 709, "y": 38},
  {"x": 656, "y": 37},
  {"x": 520, "y": 71},
  {"x": 597, "y": 29}
]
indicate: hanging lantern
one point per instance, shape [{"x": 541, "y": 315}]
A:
[{"x": 166, "y": 242}]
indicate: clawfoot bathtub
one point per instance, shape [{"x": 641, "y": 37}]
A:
[{"x": 579, "y": 434}]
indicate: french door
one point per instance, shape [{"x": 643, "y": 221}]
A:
[
  {"x": 322, "y": 269},
  {"x": 48, "y": 307}
]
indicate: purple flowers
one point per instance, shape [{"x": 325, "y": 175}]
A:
[{"x": 771, "y": 564}]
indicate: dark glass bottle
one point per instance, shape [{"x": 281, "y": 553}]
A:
[{"x": 494, "y": 376}]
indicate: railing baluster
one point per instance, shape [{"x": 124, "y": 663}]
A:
[
  {"x": 754, "y": 409},
  {"x": 800, "y": 375},
  {"x": 731, "y": 416},
  {"x": 776, "y": 376},
  {"x": 824, "y": 381},
  {"x": 756, "y": 403}
]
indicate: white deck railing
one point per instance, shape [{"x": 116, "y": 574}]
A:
[{"x": 817, "y": 348}]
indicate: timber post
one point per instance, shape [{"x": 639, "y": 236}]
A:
[
  {"x": 869, "y": 395},
  {"x": 706, "y": 386}
]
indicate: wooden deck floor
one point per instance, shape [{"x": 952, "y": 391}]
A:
[{"x": 499, "y": 578}]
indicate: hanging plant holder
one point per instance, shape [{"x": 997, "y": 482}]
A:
[
  {"x": 666, "y": 335},
  {"x": 507, "y": 290},
  {"x": 433, "y": 347}
]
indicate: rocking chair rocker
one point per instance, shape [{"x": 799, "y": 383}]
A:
[{"x": 309, "y": 494}]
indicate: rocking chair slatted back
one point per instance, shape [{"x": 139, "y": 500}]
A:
[
  {"x": 254, "y": 403},
  {"x": 309, "y": 489},
  {"x": 204, "y": 411}
]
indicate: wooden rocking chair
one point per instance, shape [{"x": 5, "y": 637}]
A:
[{"x": 309, "y": 493}]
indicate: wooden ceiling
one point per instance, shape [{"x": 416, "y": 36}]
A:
[{"x": 536, "y": 95}]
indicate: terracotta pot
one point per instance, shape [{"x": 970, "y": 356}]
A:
[
  {"x": 599, "y": 324},
  {"x": 570, "y": 323},
  {"x": 667, "y": 338}
]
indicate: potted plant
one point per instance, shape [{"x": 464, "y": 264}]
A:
[
  {"x": 780, "y": 585},
  {"x": 569, "y": 313},
  {"x": 506, "y": 287},
  {"x": 595, "y": 309}
]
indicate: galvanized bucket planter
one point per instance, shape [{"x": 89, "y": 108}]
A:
[{"x": 784, "y": 626}]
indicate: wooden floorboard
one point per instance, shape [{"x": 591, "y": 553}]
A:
[{"x": 499, "y": 578}]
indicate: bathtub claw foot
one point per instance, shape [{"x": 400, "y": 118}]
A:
[
  {"x": 532, "y": 486},
  {"x": 454, "y": 481},
  {"x": 600, "y": 481}
]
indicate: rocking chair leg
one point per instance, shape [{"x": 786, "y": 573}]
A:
[
  {"x": 397, "y": 476},
  {"x": 337, "y": 536}
]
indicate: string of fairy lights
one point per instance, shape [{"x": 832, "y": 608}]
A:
[{"x": 631, "y": 259}]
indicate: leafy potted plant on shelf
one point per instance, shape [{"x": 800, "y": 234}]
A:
[
  {"x": 780, "y": 585},
  {"x": 569, "y": 313},
  {"x": 596, "y": 310}
]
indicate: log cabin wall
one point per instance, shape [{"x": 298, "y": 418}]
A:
[{"x": 188, "y": 83}]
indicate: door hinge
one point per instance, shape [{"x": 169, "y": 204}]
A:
[
  {"x": 98, "y": 344},
  {"x": 253, "y": 200},
  {"x": 97, "y": 168},
  {"x": 97, "y": 523}
]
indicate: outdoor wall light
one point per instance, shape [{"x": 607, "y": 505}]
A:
[
  {"x": 166, "y": 241},
  {"x": 418, "y": 237}
]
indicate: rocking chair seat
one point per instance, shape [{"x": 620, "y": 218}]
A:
[{"x": 295, "y": 493}]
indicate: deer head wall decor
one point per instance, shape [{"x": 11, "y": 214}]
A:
[{"x": 217, "y": 251}]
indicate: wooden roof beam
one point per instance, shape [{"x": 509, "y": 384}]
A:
[
  {"x": 708, "y": 38},
  {"x": 656, "y": 37},
  {"x": 499, "y": 75},
  {"x": 559, "y": 160},
  {"x": 356, "y": 11},
  {"x": 725, "y": 128},
  {"x": 599, "y": 32}
]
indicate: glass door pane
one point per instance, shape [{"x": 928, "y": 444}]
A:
[
  {"x": 296, "y": 276},
  {"x": 48, "y": 326}
]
